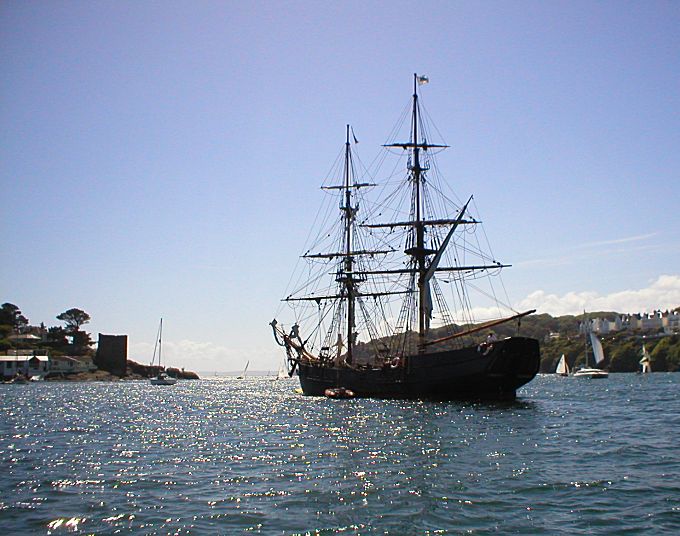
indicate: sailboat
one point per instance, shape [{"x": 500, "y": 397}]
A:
[
  {"x": 645, "y": 362},
  {"x": 562, "y": 367},
  {"x": 598, "y": 355},
  {"x": 162, "y": 377},
  {"x": 244, "y": 371},
  {"x": 282, "y": 374},
  {"x": 369, "y": 309}
]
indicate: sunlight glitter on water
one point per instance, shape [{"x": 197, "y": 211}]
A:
[{"x": 224, "y": 457}]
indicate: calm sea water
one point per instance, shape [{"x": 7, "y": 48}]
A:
[{"x": 225, "y": 456}]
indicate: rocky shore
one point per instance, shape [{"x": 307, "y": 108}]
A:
[{"x": 134, "y": 371}]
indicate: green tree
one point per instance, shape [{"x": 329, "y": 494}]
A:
[
  {"x": 10, "y": 315},
  {"x": 74, "y": 318},
  {"x": 57, "y": 335},
  {"x": 666, "y": 354},
  {"x": 673, "y": 358},
  {"x": 625, "y": 357},
  {"x": 80, "y": 341}
]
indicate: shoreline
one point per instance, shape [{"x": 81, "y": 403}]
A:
[{"x": 133, "y": 372}]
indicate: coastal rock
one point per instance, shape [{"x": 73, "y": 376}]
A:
[
  {"x": 133, "y": 371},
  {"x": 182, "y": 374},
  {"x": 147, "y": 371},
  {"x": 93, "y": 376}
]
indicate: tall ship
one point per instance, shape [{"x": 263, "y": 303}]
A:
[{"x": 382, "y": 302}]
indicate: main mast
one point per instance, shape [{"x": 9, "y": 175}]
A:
[
  {"x": 425, "y": 258},
  {"x": 416, "y": 247},
  {"x": 419, "y": 253},
  {"x": 586, "y": 332},
  {"x": 160, "y": 343}
]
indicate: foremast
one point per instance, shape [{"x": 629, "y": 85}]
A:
[{"x": 346, "y": 276}]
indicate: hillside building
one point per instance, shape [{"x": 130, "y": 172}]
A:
[
  {"x": 657, "y": 321},
  {"x": 24, "y": 362}
]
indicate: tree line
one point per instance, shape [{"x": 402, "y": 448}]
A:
[{"x": 68, "y": 339}]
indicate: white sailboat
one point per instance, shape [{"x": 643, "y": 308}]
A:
[
  {"x": 162, "y": 377},
  {"x": 646, "y": 361},
  {"x": 282, "y": 374},
  {"x": 562, "y": 367},
  {"x": 244, "y": 371},
  {"x": 598, "y": 355}
]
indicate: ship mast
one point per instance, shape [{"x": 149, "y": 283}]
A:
[
  {"x": 417, "y": 249},
  {"x": 424, "y": 260},
  {"x": 419, "y": 253},
  {"x": 348, "y": 278}
]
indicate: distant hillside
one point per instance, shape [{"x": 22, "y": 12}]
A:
[
  {"x": 559, "y": 335},
  {"x": 622, "y": 349}
]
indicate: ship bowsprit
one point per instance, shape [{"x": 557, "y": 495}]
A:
[{"x": 493, "y": 372}]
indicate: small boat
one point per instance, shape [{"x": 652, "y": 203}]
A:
[
  {"x": 598, "y": 355},
  {"x": 162, "y": 378},
  {"x": 645, "y": 362},
  {"x": 339, "y": 392},
  {"x": 591, "y": 373},
  {"x": 562, "y": 367}
]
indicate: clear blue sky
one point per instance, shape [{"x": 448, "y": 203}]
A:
[{"x": 163, "y": 158}]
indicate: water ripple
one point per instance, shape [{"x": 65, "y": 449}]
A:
[{"x": 253, "y": 456}]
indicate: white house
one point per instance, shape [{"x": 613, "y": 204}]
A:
[
  {"x": 64, "y": 364},
  {"x": 24, "y": 363},
  {"x": 602, "y": 325},
  {"x": 671, "y": 322},
  {"x": 651, "y": 321}
]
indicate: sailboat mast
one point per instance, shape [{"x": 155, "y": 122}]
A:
[
  {"x": 160, "y": 343},
  {"x": 586, "y": 331}
]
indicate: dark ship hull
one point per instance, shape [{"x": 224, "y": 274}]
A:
[{"x": 471, "y": 373}]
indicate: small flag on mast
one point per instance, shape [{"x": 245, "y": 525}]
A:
[{"x": 422, "y": 80}]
